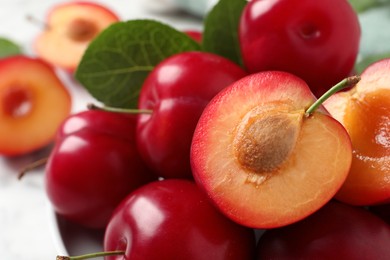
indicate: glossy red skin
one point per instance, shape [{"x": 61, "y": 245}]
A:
[
  {"x": 177, "y": 91},
  {"x": 173, "y": 219},
  {"x": 119, "y": 125},
  {"x": 93, "y": 166},
  {"x": 337, "y": 231},
  {"x": 316, "y": 40},
  {"x": 196, "y": 35}
]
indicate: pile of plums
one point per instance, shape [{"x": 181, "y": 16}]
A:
[{"x": 225, "y": 162}]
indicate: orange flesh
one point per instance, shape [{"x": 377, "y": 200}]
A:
[
  {"x": 306, "y": 177},
  {"x": 372, "y": 137},
  {"x": 368, "y": 123},
  {"x": 63, "y": 44},
  {"x": 310, "y": 176},
  {"x": 16, "y": 101},
  {"x": 31, "y": 108}
]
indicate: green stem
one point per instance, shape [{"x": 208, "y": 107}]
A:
[
  {"x": 89, "y": 256},
  {"x": 120, "y": 110},
  {"x": 347, "y": 82}
]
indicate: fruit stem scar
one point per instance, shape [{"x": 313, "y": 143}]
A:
[
  {"x": 345, "y": 83},
  {"x": 89, "y": 256},
  {"x": 119, "y": 110}
]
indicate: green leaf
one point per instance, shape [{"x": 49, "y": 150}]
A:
[
  {"x": 116, "y": 63},
  {"x": 364, "y": 5},
  {"x": 374, "y": 44},
  {"x": 368, "y": 60},
  {"x": 220, "y": 34},
  {"x": 8, "y": 48}
]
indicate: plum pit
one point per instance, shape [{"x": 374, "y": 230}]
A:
[
  {"x": 265, "y": 139},
  {"x": 17, "y": 101},
  {"x": 82, "y": 30}
]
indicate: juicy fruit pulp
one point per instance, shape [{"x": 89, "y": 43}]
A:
[
  {"x": 173, "y": 219},
  {"x": 365, "y": 113},
  {"x": 70, "y": 28},
  {"x": 303, "y": 37},
  {"x": 371, "y": 142},
  {"x": 264, "y": 162},
  {"x": 32, "y": 106}
]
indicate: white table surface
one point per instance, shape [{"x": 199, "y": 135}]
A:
[{"x": 26, "y": 230}]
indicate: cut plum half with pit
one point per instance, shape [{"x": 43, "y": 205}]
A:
[{"x": 264, "y": 156}]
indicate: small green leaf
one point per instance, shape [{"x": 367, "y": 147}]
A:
[
  {"x": 368, "y": 60},
  {"x": 220, "y": 34},
  {"x": 374, "y": 44},
  {"x": 118, "y": 60},
  {"x": 364, "y": 5},
  {"x": 8, "y": 48}
]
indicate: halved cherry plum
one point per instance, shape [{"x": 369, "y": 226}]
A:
[
  {"x": 261, "y": 158},
  {"x": 33, "y": 103}
]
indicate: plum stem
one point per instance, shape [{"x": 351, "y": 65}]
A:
[
  {"x": 32, "y": 166},
  {"x": 345, "y": 83},
  {"x": 34, "y": 20},
  {"x": 120, "y": 110},
  {"x": 89, "y": 256}
]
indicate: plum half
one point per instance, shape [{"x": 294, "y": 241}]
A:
[
  {"x": 261, "y": 158},
  {"x": 33, "y": 104},
  {"x": 364, "y": 111},
  {"x": 70, "y": 28}
]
